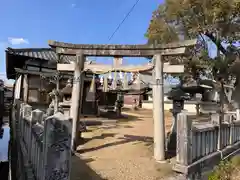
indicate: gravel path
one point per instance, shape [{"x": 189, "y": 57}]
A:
[{"x": 120, "y": 152}]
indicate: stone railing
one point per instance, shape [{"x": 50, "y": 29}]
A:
[
  {"x": 201, "y": 146},
  {"x": 43, "y": 144}
]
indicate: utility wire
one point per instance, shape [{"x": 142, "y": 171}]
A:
[{"x": 124, "y": 19}]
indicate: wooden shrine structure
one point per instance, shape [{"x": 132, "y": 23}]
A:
[
  {"x": 81, "y": 51},
  {"x": 36, "y": 75}
]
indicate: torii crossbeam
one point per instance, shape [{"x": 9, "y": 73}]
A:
[
  {"x": 156, "y": 51},
  {"x": 121, "y": 50}
]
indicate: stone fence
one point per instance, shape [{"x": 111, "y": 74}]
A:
[
  {"x": 203, "y": 145},
  {"x": 43, "y": 144}
]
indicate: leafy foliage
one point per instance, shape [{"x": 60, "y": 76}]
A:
[
  {"x": 226, "y": 170},
  {"x": 209, "y": 20},
  {"x": 187, "y": 17}
]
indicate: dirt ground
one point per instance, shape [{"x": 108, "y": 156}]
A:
[{"x": 122, "y": 151}]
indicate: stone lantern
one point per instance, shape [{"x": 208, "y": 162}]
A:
[{"x": 67, "y": 98}]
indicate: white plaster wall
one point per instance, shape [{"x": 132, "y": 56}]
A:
[
  {"x": 150, "y": 98},
  {"x": 168, "y": 106},
  {"x": 190, "y": 107}
]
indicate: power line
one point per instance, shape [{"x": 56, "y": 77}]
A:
[{"x": 124, "y": 19}]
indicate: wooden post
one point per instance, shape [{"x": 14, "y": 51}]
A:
[
  {"x": 21, "y": 87},
  {"x": 76, "y": 99},
  {"x": 158, "y": 111},
  {"x": 25, "y": 88}
]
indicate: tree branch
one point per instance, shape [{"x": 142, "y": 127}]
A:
[{"x": 215, "y": 41}]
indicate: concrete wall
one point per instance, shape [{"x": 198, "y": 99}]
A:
[
  {"x": 168, "y": 106},
  {"x": 189, "y": 106}
]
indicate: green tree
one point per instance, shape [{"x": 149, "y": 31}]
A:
[
  {"x": 208, "y": 20},
  {"x": 187, "y": 18},
  {"x": 218, "y": 20}
]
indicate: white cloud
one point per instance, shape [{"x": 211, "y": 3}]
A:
[
  {"x": 73, "y": 5},
  {"x": 17, "y": 41}
]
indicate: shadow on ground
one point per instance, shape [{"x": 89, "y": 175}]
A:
[
  {"x": 121, "y": 118},
  {"x": 102, "y": 136},
  {"x": 82, "y": 141},
  {"x": 81, "y": 171},
  {"x": 109, "y": 118},
  {"x": 148, "y": 141}
]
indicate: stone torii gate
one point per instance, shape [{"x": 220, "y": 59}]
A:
[{"x": 156, "y": 51}]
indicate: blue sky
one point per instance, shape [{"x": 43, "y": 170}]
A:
[{"x": 31, "y": 23}]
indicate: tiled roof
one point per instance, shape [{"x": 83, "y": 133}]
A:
[
  {"x": 15, "y": 58},
  {"x": 39, "y": 53}
]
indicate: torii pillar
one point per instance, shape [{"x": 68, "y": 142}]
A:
[
  {"x": 77, "y": 91},
  {"x": 158, "y": 111},
  {"x": 158, "y": 99}
]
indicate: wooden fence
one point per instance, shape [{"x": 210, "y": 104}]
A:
[
  {"x": 202, "y": 145},
  {"x": 43, "y": 144}
]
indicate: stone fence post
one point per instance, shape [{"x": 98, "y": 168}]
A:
[
  {"x": 26, "y": 114},
  {"x": 184, "y": 139},
  {"x": 238, "y": 114},
  {"x": 57, "y": 148},
  {"x": 36, "y": 117},
  {"x": 218, "y": 119}
]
